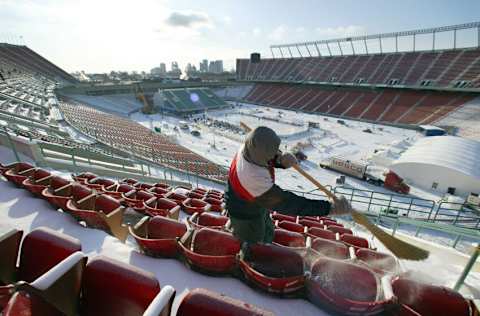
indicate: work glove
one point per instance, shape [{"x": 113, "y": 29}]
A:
[
  {"x": 287, "y": 160},
  {"x": 340, "y": 207}
]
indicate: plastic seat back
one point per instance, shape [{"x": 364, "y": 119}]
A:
[
  {"x": 42, "y": 249},
  {"x": 106, "y": 204},
  {"x": 205, "y": 302},
  {"x": 160, "y": 227},
  {"x": 112, "y": 288},
  {"x": 288, "y": 238},
  {"x": 211, "y": 242},
  {"x": 354, "y": 241},
  {"x": 331, "y": 248}
]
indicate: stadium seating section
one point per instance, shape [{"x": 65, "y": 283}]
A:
[
  {"x": 26, "y": 60},
  {"x": 399, "y": 106},
  {"x": 130, "y": 136},
  {"x": 346, "y": 275},
  {"x": 458, "y": 68}
]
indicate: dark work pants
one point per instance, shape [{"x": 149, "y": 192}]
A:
[{"x": 257, "y": 230}]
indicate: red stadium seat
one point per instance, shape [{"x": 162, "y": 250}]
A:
[
  {"x": 101, "y": 212},
  {"x": 340, "y": 230},
  {"x": 58, "y": 192},
  {"x": 200, "y": 220},
  {"x": 282, "y": 217},
  {"x": 287, "y": 238},
  {"x": 32, "y": 263},
  {"x": 135, "y": 199},
  {"x": 18, "y": 172},
  {"x": 430, "y": 300},
  {"x": 346, "y": 288},
  {"x": 38, "y": 181},
  {"x": 274, "y": 268},
  {"x": 377, "y": 261},
  {"x": 322, "y": 233},
  {"x": 355, "y": 241},
  {"x": 191, "y": 206},
  {"x": 157, "y": 236},
  {"x": 159, "y": 192},
  {"x": 330, "y": 248},
  {"x": 162, "y": 207},
  {"x": 83, "y": 177},
  {"x": 217, "y": 205},
  {"x": 210, "y": 250},
  {"x": 293, "y": 227},
  {"x": 205, "y": 302},
  {"x": 112, "y": 288}
]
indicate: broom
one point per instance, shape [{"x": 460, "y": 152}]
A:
[{"x": 399, "y": 248}]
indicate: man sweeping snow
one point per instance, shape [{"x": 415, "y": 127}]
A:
[{"x": 252, "y": 191}]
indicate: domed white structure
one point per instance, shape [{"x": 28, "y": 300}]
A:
[{"x": 442, "y": 163}]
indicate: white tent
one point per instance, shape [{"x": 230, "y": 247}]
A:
[{"x": 440, "y": 163}]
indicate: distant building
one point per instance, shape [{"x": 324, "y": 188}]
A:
[
  {"x": 204, "y": 66},
  {"x": 163, "y": 68},
  {"x": 216, "y": 66}
]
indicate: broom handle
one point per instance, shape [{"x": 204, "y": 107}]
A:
[{"x": 315, "y": 182}]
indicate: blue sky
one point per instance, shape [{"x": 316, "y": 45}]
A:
[{"x": 104, "y": 35}]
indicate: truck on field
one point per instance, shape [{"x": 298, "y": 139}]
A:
[{"x": 389, "y": 180}]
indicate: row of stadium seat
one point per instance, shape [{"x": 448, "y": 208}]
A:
[
  {"x": 64, "y": 283},
  {"x": 337, "y": 270},
  {"x": 133, "y": 137},
  {"x": 440, "y": 69},
  {"x": 391, "y": 106}
]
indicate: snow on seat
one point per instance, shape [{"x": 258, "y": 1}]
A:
[
  {"x": 288, "y": 238},
  {"x": 210, "y": 250},
  {"x": 191, "y": 206},
  {"x": 206, "y": 302},
  {"x": 293, "y": 227},
  {"x": 112, "y": 288},
  {"x": 135, "y": 199},
  {"x": 100, "y": 212},
  {"x": 58, "y": 192},
  {"x": 377, "y": 261},
  {"x": 274, "y": 268},
  {"x": 38, "y": 181},
  {"x": 99, "y": 184},
  {"x": 177, "y": 197},
  {"x": 83, "y": 177},
  {"x": 118, "y": 189},
  {"x": 321, "y": 233},
  {"x": 159, "y": 192},
  {"x": 161, "y": 207},
  {"x": 200, "y": 220},
  {"x": 18, "y": 172},
  {"x": 330, "y": 248},
  {"x": 282, "y": 217},
  {"x": 310, "y": 223},
  {"x": 340, "y": 230},
  {"x": 346, "y": 288},
  {"x": 217, "y": 205},
  {"x": 355, "y": 241},
  {"x": 430, "y": 300},
  {"x": 33, "y": 260},
  {"x": 157, "y": 236}
]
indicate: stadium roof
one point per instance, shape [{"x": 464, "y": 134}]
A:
[{"x": 450, "y": 152}]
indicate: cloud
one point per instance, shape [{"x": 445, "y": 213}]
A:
[
  {"x": 257, "y": 32},
  {"x": 340, "y": 31},
  {"x": 188, "y": 19}
]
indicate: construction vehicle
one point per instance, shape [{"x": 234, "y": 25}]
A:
[
  {"x": 389, "y": 179},
  {"x": 140, "y": 95}
]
